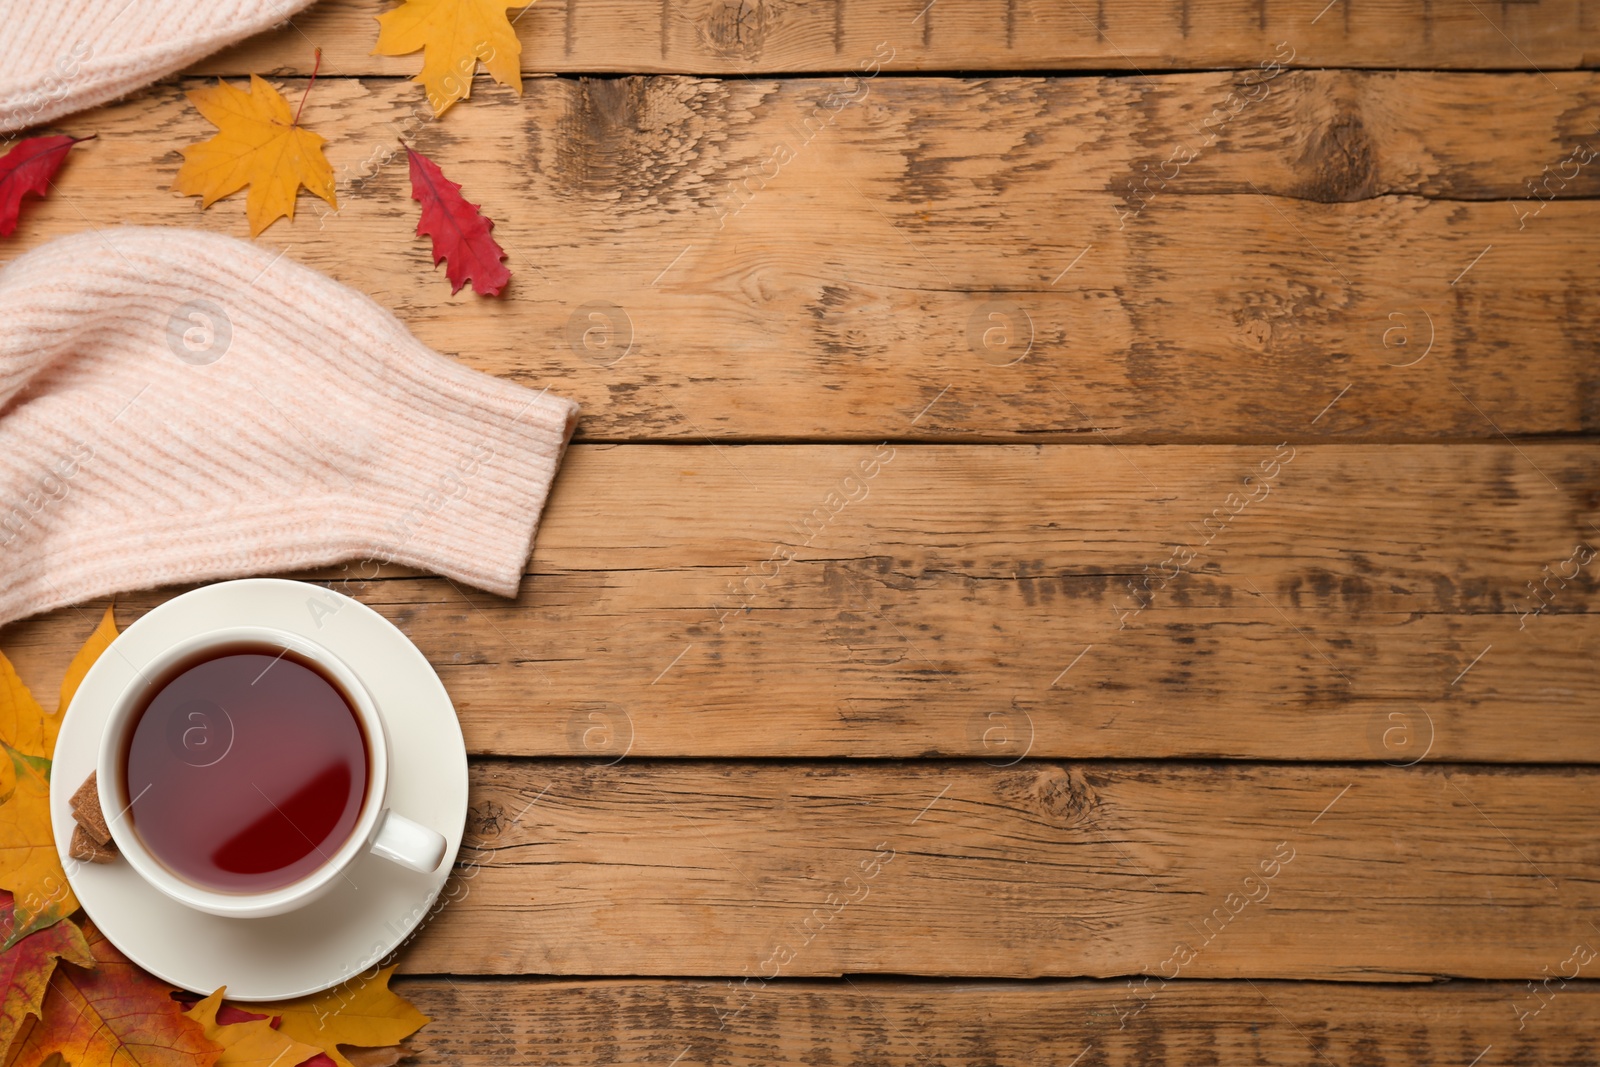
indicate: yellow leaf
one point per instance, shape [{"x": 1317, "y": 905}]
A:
[
  {"x": 355, "y": 1013},
  {"x": 98, "y": 642},
  {"x": 259, "y": 144},
  {"x": 456, "y": 35},
  {"x": 23, "y": 724},
  {"x": 248, "y": 1044},
  {"x": 29, "y": 864}
]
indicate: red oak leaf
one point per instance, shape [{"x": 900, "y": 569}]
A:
[
  {"x": 28, "y": 168},
  {"x": 460, "y": 233}
]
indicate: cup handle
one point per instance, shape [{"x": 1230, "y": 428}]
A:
[{"x": 410, "y": 844}]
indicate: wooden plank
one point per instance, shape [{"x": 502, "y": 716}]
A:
[
  {"x": 1374, "y": 603},
  {"x": 1074, "y": 870},
  {"x": 914, "y": 271},
  {"x": 894, "y": 1023},
  {"x": 771, "y": 36}
]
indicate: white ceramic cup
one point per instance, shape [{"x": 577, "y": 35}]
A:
[{"x": 377, "y": 829}]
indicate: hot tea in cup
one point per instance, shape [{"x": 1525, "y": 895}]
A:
[
  {"x": 248, "y": 771},
  {"x": 246, "y": 768}
]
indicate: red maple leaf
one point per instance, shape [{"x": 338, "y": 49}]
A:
[
  {"x": 28, "y": 168},
  {"x": 460, "y": 232},
  {"x": 115, "y": 1013},
  {"x": 26, "y": 969}
]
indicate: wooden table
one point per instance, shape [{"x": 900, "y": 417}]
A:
[{"x": 1079, "y": 548}]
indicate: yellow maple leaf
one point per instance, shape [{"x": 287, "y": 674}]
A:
[
  {"x": 29, "y": 864},
  {"x": 258, "y": 143},
  {"x": 98, "y": 642},
  {"x": 456, "y": 35},
  {"x": 248, "y": 1044},
  {"x": 23, "y": 724},
  {"x": 358, "y": 1012}
]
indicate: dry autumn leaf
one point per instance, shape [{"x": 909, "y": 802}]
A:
[
  {"x": 114, "y": 1014},
  {"x": 29, "y": 864},
  {"x": 358, "y": 1012},
  {"x": 387, "y": 1056},
  {"x": 28, "y": 168},
  {"x": 252, "y": 1043},
  {"x": 356, "y": 1055},
  {"x": 23, "y": 724},
  {"x": 461, "y": 233},
  {"x": 26, "y": 967},
  {"x": 455, "y": 36},
  {"x": 259, "y": 144},
  {"x": 98, "y": 642}
]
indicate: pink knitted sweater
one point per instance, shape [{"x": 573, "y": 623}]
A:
[
  {"x": 177, "y": 406},
  {"x": 61, "y": 56}
]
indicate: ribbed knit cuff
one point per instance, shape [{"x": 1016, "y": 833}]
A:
[
  {"x": 433, "y": 464},
  {"x": 462, "y": 489}
]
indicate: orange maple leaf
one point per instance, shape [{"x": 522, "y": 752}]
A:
[
  {"x": 259, "y": 144},
  {"x": 455, "y": 36},
  {"x": 359, "y": 1012},
  {"x": 115, "y": 1013},
  {"x": 254, "y": 1043},
  {"x": 26, "y": 967}
]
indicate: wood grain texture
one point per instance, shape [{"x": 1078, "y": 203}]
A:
[
  {"x": 912, "y": 1024},
  {"x": 775, "y": 36},
  {"x": 1364, "y": 603},
  {"x": 746, "y": 869},
  {"x": 1134, "y": 259},
  {"x": 945, "y": 259}
]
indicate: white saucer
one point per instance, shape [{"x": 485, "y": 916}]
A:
[{"x": 368, "y": 914}]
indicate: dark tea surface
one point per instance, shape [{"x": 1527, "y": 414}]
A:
[{"x": 247, "y": 770}]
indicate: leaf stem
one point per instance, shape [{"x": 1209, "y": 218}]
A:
[{"x": 316, "y": 66}]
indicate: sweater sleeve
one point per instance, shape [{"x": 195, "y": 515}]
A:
[
  {"x": 61, "y": 57},
  {"x": 178, "y": 406}
]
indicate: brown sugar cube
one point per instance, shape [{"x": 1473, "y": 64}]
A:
[
  {"x": 86, "y": 809},
  {"x": 83, "y": 847}
]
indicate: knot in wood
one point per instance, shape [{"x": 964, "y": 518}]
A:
[
  {"x": 736, "y": 27},
  {"x": 1061, "y": 796},
  {"x": 1339, "y": 161}
]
